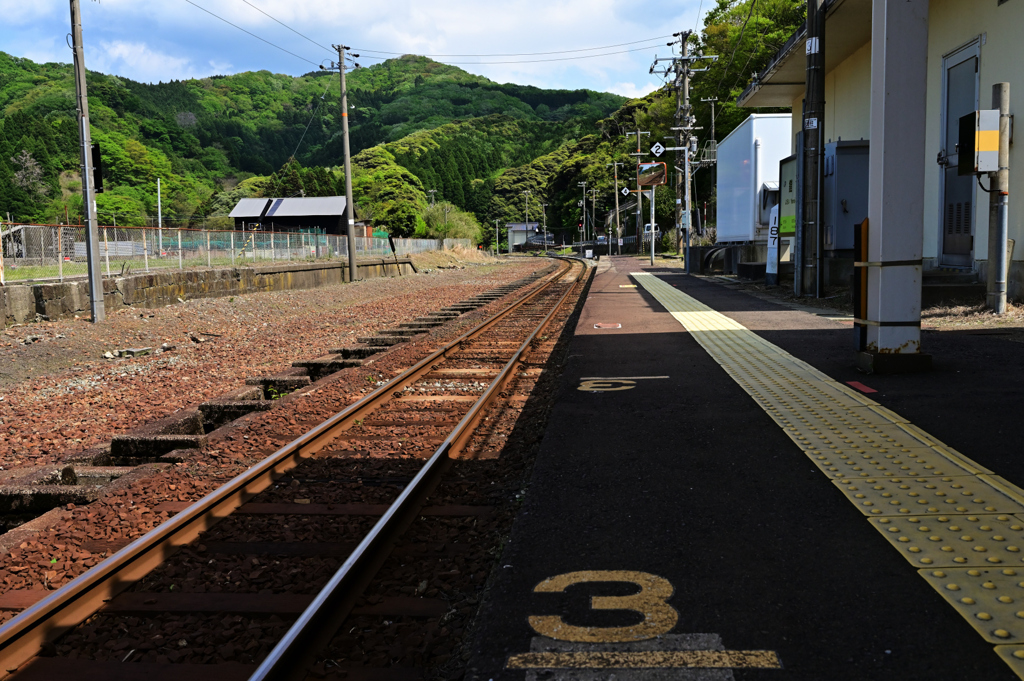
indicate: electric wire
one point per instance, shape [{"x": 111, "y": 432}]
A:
[
  {"x": 268, "y": 15},
  {"x": 311, "y": 119},
  {"x": 734, "y": 47},
  {"x": 308, "y": 61},
  {"x": 524, "y": 54}
]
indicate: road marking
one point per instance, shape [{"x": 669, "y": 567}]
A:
[
  {"x": 621, "y": 378},
  {"x": 687, "y": 659},
  {"x": 606, "y": 385},
  {"x": 829, "y": 423},
  {"x": 650, "y": 601},
  {"x": 861, "y": 387}
]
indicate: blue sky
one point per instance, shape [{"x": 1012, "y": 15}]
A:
[{"x": 160, "y": 41}]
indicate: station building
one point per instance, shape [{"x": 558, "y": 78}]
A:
[{"x": 970, "y": 45}]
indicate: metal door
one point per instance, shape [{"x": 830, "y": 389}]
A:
[{"x": 959, "y": 97}]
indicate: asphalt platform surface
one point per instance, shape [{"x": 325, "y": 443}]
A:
[{"x": 687, "y": 478}]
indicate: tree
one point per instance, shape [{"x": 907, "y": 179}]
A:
[{"x": 29, "y": 175}]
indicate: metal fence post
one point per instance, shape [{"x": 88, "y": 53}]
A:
[
  {"x": 145, "y": 249},
  {"x": 232, "y": 249},
  {"x": 106, "y": 250},
  {"x": 273, "y": 246},
  {"x": 288, "y": 246},
  {"x": 254, "y": 247},
  {"x": 209, "y": 261},
  {"x": 180, "y": 266},
  {"x": 60, "y": 253}
]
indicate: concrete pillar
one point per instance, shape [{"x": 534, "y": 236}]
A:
[{"x": 899, "y": 69}]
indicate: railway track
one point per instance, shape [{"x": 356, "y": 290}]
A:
[{"x": 254, "y": 580}]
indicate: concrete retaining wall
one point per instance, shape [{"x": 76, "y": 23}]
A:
[{"x": 24, "y": 303}]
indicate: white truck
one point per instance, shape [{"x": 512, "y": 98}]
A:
[{"x": 748, "y": 176}]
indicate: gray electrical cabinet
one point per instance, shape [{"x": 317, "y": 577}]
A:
[{"x": 845, "y": 199}]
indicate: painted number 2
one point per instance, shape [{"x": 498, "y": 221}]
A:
[{"x": 650, "y": 602}]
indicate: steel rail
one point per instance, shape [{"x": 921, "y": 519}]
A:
[
  {"x": 24, "y": 636},
  {"x": 291, "y": 658}
]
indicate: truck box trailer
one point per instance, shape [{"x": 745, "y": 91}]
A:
[{"x": 748, "y": 176}]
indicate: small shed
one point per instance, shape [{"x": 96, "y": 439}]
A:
[
  {"x": 519, "y": 232},
  {"x": 294, "y": 214}
]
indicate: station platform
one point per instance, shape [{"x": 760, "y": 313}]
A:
[{"x": 713, "y": 500}]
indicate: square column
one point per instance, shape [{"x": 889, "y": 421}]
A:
[{"x": 899, "y": 66}]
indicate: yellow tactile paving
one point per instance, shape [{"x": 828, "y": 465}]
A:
[
  {"x": 942, "y": 511},
  {"x": 990, "y": 599},
  {"x": 986, "y": 541}
]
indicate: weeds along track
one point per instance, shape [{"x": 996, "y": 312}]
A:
[{"x": 272, "y": 576}]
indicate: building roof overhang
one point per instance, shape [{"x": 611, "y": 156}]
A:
[{"x": 847, "y": 29}]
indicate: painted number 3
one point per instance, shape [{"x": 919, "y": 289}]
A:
[{"x": 650, "y": 602}]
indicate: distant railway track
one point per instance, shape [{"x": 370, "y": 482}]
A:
[{"x": 326, "y": 479}]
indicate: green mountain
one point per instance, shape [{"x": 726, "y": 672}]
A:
[{"x": 213, "y": 140}]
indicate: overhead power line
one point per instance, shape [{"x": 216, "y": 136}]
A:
[
  {"x": 309, "y": 61},
  {"x": 525, "y": 54},
  {"x": 287, "y": 26},
  {"x": 736, "y": 46}
]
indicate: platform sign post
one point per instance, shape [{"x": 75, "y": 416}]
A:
[{"x": 771, "y": 277}]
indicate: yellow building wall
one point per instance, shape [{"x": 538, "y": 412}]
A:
[
  {"x": 952, "y": 24},
  {"x": 847, "y": 100}
]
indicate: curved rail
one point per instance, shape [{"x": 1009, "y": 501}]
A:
[{"x": 24, "y": 636}]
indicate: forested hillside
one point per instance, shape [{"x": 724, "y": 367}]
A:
[
  {"x": 223, "y": 134},
  {"x": 420, "y": 130}
]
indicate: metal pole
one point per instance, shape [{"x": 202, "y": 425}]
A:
[
  {"x": 159, "y": 221},
  {"x": 689, "y": 227},
  {"x": 209, "y": 261},
  {"x": 999, "y": 200},
  {"x": 92, "y": 245},
  {"x": 60, "y": 252},
  {"x": 232, "y": 248},
  {"x": 106, "y": 245},
  {"x": 814, "y": 119},
  {"x": 349, "y": 214},
  {"x": 288, "y": 244},
  {"x": 145, "y": 249},
  {"x": 618, "y": 225},
  {"x": 497, "y": 240},
  {"x": 652, "y": 223},
  {"x": 180, "y": 265}
]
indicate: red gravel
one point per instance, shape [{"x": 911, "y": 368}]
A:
[{"x": 58, "y": 395}]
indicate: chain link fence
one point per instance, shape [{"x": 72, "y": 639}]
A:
[{"x": 58, "y": 252}]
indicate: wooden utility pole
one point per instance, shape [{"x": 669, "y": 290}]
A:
[
  {"x": 349, "y": 209},
  {"x": 92, "y": 244},
  {"x": 811, "y": 264}
]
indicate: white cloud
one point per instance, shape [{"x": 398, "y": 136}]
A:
[
  {"x": 138, "y": 62},
  {"x": 206, "y": 46},
  {"x": 632, "y": 90},
  {"x": 19, "y": 12}
]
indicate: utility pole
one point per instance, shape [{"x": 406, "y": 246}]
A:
[
  {"x": 526, "y": 205},
  {"x": 812, "y": 281},
  {"x": 639, "y": 195},
  {"x": 685, "y": 142},
  {"x": 497, "y": 239},
  {"x": 618, "y": 225},
  {"x": 431, "y": 192},
  {"x": 349, "y": 209},
  {"x": 92, "y": 244}
]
